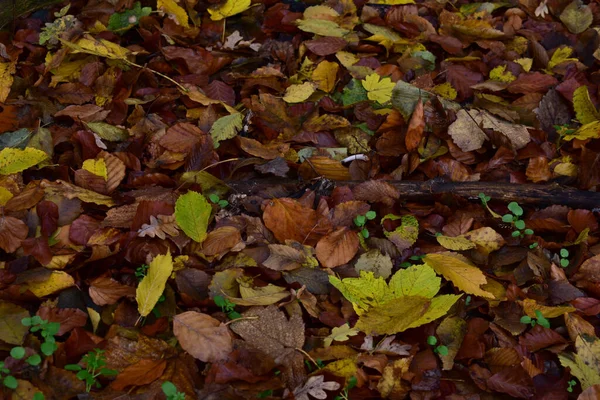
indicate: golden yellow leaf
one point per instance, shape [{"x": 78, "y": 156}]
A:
[
  {"x": 477, "y": 28},
  {"x": 560, "y": 55},
  {"x": 96, "y": 167},
  {"x": 391, "y": 2},
  {"x": 587, "y": 131},
  {"x": 299, "y": 93},
  {"x": 364, "y": 292},
  {"x": 325, "y": 75},
  {"x": 390, "y": 384},
  {"x": 321, "y": 27},
  {"x": 7, "y": 69},
  {"x": 95, "y": 318},
  {"x": 393, "y": 316},
  {"x": 439, "y": 306},
  {"x": 98, "y": 47},
  {"x": 530, "y": 306},
  {"x": 525, "y": 63},
  {"x": 585, "y": 364},
  {"x": 56, "y": 281},
  {"x": 501, "y": 74},
  {"x": 460, "y": 271},
  {"x": 379, "y": 90},
  {"x": 458, "y": 243},
  {"x": 153, "y": 284},
  {"x": 417, "y": 280},
  {"x": 174, "y": 11},
  {"x": 584, "y": 108},
  {"x": 258, "y": 296},
  {"x": 445, "y": 90},
  {"x": 229, "y": 8},
  {"x": 486, "y": 239},
  {"x": 5, "y": 196},
  {"x": 16, "y": 160},
  {"x": 345, "y": 368},
  {"x": 71, "y": 191}
]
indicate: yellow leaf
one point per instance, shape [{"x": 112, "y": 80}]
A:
[
  {"x": 71, "y": 191},
  {"x": 530, "y": 306},
  {"x": 560, "y": 55},
  {"x": 394, "y": 316},
  {"x": 340, "y": 334},
  {"x": 460, "y": 271},
  {"x": 174, "y": 11},
  {"x": 364, "y": 292},
  {"x": 587, "y": 131},
  {"x": 458, "y": 243},
  {"x": 95, "y": 318},
  {"x": 418, "y": 280},
  {"x": 7, "y": 69},
  {"x": 379, "y": 90},
  {"x": 438, "y": 308},
  {"x": 525, "y": 63},
  {"x": 445, "y": 90},
  {"x": 501, "y": 74},
  {"x": 5, "y": 196},
  {"x": 153, "y": 284},
  {"x": 486, "y": 239},
  {"x": 477, "y": 28},
  {"x": 299, "y": 93},
  {"x": 229, "y": 8},
  {"x": 192, "y": 212},
  {"x": 14, "y": 160},
  {"x": 96, "y": 167},
  {"x": 345, "y": 368},
  {"x": 584, "y": 108},
  {"x": 321, "y": 27},
  {"x": 566, "y": 169},
  {"x": 98, "y": 47},
  {"x": 585, "y": 364},
  {"x": 56, "y": 281},
  {"x": 259, "y": 296},
  {"x": 390, "y": 386},
  {"x": 325, "y": 75}
]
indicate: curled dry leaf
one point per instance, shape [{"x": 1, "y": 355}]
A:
[
  {"x": 105, "y": 291},
  {"x": 160, "y": 226},
  {"x": 204, "y": 337}
]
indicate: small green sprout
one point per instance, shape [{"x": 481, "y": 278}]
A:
[
  {"x": 6, "y": 378},
  {"x": 361, "y": 220},
  {"x": 440, "y": 349},
  {"x": 540, "y": 320},
  {"x": 227, "y": 307},
  {"x": 141, "y": 271},
  {"x": 571, "y": 384},
  {"x": 564, "y": 258},
  {"x": 468, "y": 300},
  {"x": 216, "y": 200},
  {"x": 516, "y": 221},
  {"x": 47, "y": 330},
  {"x": 318, "y": 364},
  {"x": 349, "y": 385},
  {"x": 94, "y": 361},
  {"x": 170, "y": 390}
]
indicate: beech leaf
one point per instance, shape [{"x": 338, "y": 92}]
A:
[
  {"x": 202, "y": 336},
  {"x": 17, "y": 160},
  {"x": 192, "y": 212},
  {"x": 228, "y": 9},
  {"x": 153, "y": 284},
  {"x": 460, "y": 271}
]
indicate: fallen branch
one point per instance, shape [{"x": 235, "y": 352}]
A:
[{"x": 502, "y": 191}]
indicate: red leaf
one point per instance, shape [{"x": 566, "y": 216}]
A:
[
  {"x": 47, "y": 211},
  {"x": 141, "y": 373},
  {"x": 416, "y": 127}
]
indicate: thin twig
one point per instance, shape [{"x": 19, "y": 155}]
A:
[
  {"x": 240, "y": 319},
  {"x": 307, "y": 355}
]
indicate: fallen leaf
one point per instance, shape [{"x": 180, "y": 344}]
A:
[
  {"x": 192, "y": 212},
  {"x": 141, "y": 373},
  {"x": 228, "y": 8},
  {"x": 202, "y": 336},
  {"x": 298, "y": 93},
  {"x": 337, "y": 248},
  {"x": 12, "y": 331},
  {"x": 316, "y": 387},
  {"x": 378, "y": 89},
  {"x": 153, "y": 284},
  {"x": 17, "y": 160},
  {"x": 174, "y": 11},
  {"x": 460, "y": 271}
]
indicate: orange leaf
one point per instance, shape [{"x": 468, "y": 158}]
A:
[
  {"x": 416, "y": 127},
  {"x": 337, "y": 248},
  {"x": 289, "y": 220},
  {"x": 141, "y": 373}
]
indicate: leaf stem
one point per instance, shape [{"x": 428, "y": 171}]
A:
[
  {"x": 308, "y": 356},
  {"x": 182, "y": 88}
]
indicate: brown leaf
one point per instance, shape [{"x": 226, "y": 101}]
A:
[
  {"x": 277, "y": 167},
  {"x": 221, "y": 240},
  {"x": 538, "y": 170},
  {"x": 82, "y": 229},
  {"x": 325, "y": 46},
  {"x": 344, "y": 213},
  {"x": 582, "y": 219},
  {"x": 160, "y": 226},
  {"x": 591, "y": 393},
  {"x": 105, "y": 291},
  {"x": 12, "y": 232},
  {"x": 69, "y": 318},
  {"x": 289, "y": 220},
  {"x": 539, "y": 338},
  {"x": 376, "y": 191},
  {"x": 85, "y": 113},
  {"x": 532, "y": 82},
  {"x": 284, "y": 258},
  {"x": 337, "y": 248},
  {"x": 181, "y": 137},
  {"x": 325, "y": 167},
  {"x": 513, "y": 381},
  {"x": 416, "y": 127},
  {"x": 589, "y": 270},
  {"x": 72, "y": 93},
  {"x": 141, "y": 373},
  {"x": 202, "y": 336},
  {"x": 38, "y": 248},
  {"x": 219, "y": 90},
  {"x": 276, "y": 336}
]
